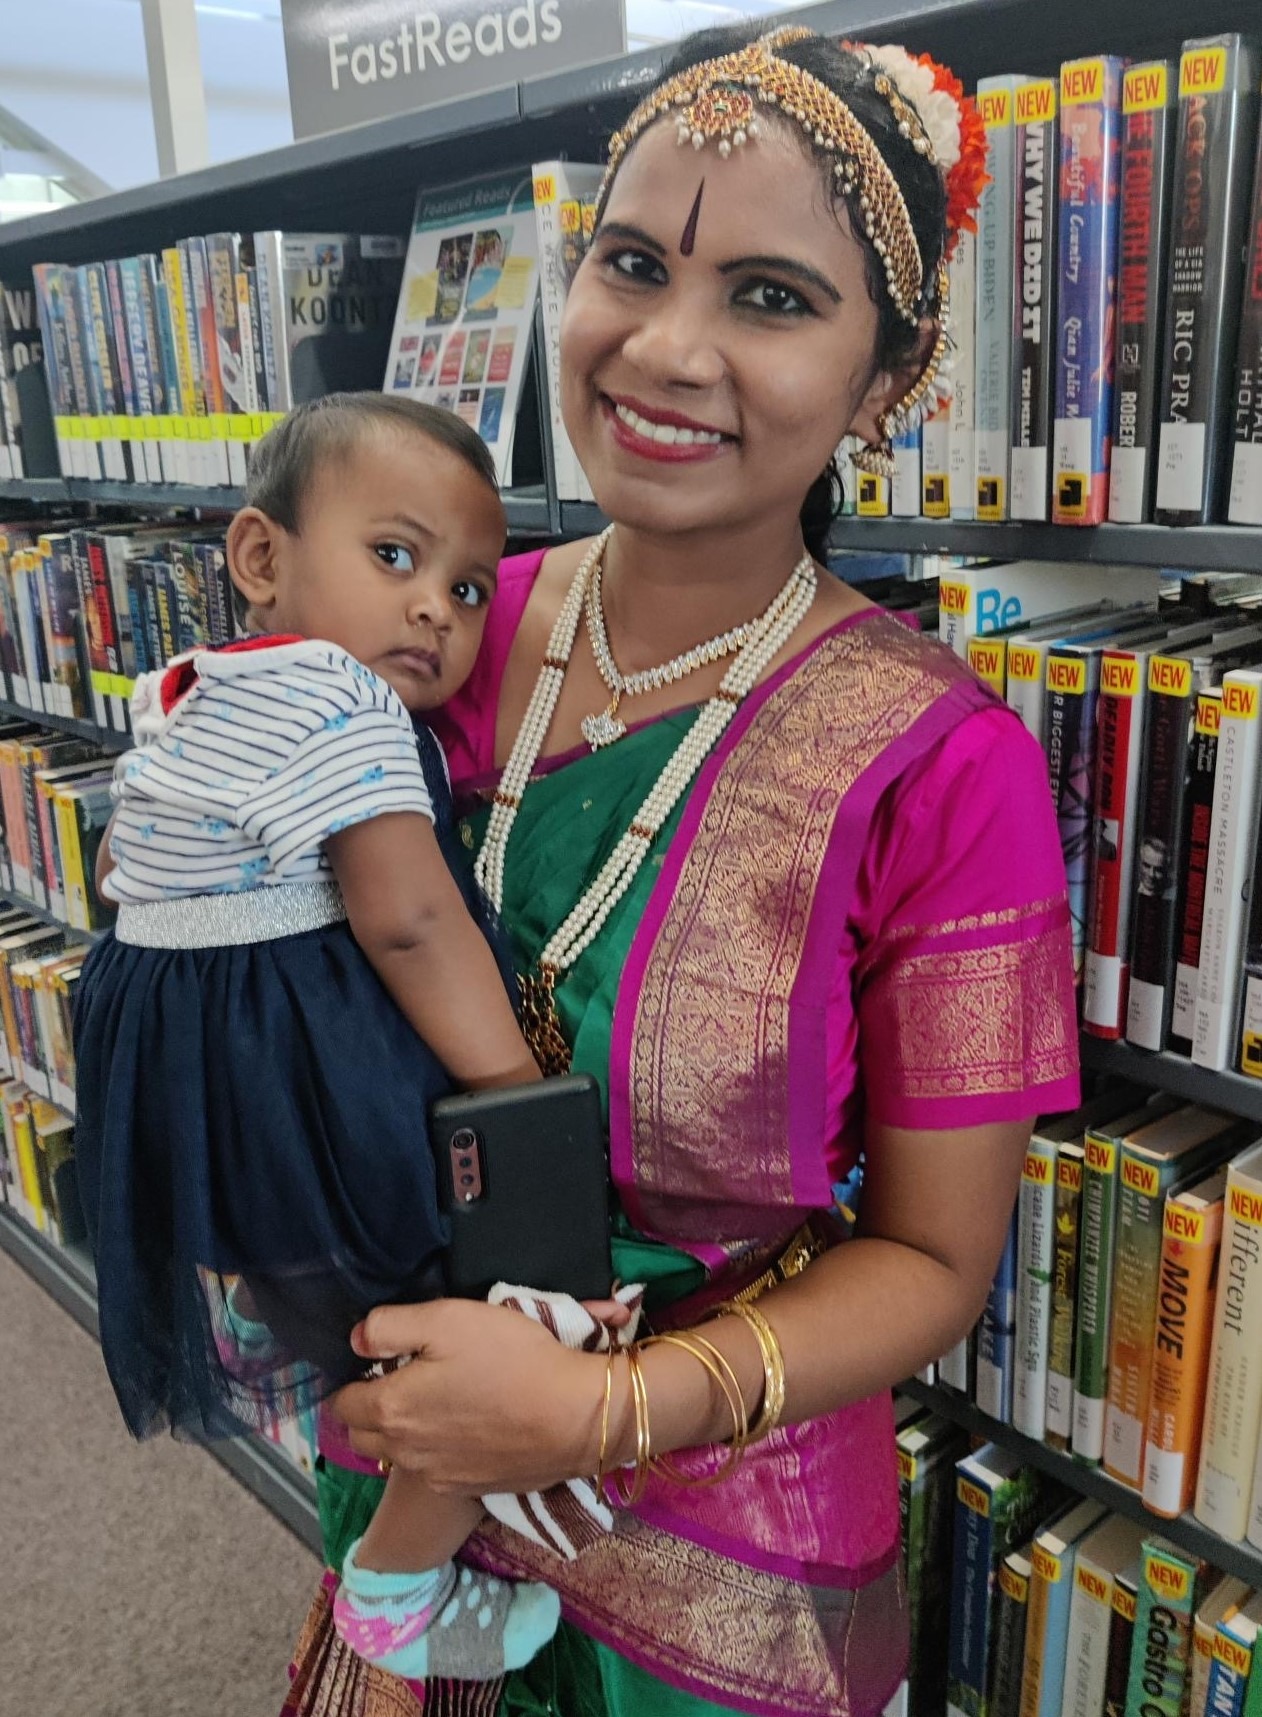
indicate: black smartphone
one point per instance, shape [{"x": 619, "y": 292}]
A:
[{"x": 523, "y": 1176}]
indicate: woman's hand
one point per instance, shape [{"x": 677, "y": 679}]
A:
[{"x": 491, "y": 1401}]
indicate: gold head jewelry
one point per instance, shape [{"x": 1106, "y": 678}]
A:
[{"x": 718, "y": 101}]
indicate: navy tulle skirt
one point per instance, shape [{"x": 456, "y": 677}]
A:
[{"x": 256, "y": 1175}]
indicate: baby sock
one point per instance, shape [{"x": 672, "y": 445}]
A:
[{"x": 447, "y": 1621}]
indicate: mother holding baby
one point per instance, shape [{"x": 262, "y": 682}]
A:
[{"x": 784, "y": 878}]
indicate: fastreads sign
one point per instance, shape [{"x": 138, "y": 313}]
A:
[{"x": 349, "y": 62}]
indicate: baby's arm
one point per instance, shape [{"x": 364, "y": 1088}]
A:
[{"x": 411, "y": 922}]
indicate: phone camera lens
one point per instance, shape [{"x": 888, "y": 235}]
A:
[
  {"x": 466, "y": 1180},
  {"x": 466, "y": 1162},
  {"x": 464, "y": 1139}
]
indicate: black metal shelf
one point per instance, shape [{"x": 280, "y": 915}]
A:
[
  {"x": 68, "y": 1276},
  {"x": 105, "y": 737},
  {"x": 1232, "y": 1092},
  {"x": 15, "y": 898},
  {"x": 1239, "y": 1559},
  {"x": 1200, "y": 548}
]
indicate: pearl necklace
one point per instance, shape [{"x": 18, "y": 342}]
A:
[
  {"x": 606, "y": 728},
  {"x": 767, "y": 637}
]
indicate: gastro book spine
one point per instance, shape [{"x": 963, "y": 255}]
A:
[
  {"x": 996, "y": 100},
  {"x": 1244, "y": 504},
  {"x": 1233, "y": 1400},
  {"x": 1033, "y": 296},
  {"x": 1163, "y": 1629},
  {"x": 1148, "y": 126},
  {"x": 1090, "y": 137},
  {"x": 1218, "y": 81},
  {"x": 1233, "y": 836}
]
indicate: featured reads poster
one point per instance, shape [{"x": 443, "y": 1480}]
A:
[{"x": 466, "y": 312}]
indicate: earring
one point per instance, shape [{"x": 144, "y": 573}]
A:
[{"x": 876, "y": 457}]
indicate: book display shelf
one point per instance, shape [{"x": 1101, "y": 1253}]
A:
[{"x": 375, "y": 170}]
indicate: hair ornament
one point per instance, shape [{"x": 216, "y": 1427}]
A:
[
  {"x": 718, "y": 101},
  {"x": 948, "y": 119}
]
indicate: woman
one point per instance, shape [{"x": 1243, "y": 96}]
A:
[{"x": 794, "y": 896}]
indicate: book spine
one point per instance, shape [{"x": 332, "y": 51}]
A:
[
  {"x": 987, "y": 656},
  {"x": 1229, "y": 1670},
  {"x": 85, "y": 405},
  {"x": 1142, "y": 1189},
  {"x": 1087, "y": 1645},
  {"x": 268, "y": 263},
  {"x": 1232, "y": 842},
  {"x": 1095, "y": 1287},
  {"x": 931, "y": 1507},
  {"x": 1148, "y": 130},
  {"x": 1035, "y": 1664},
  {"x": 996, "y": 101},
  {"x": 1090, "y": 128},
  {"x": 905, "y": 483},
  {"x": 1163, "y": 785},
  {"x": 1011, "y": 1626},
  {"x": 1121, "y": 1643},
  {"x": 548, "y": 201},
  {"x": 128, "y": 402},
  {"x": 256, "y": 339},
  {"x": 1036, "y": 1215},
  {"x": 250, "y": 402},
  {"x": 996, "y": 1336},
  {"x": 1073, "y": 685},
  {"x": 1120, "y": 728},
  {"x": 1163, "y": 1629},
  {"x": 1194, "y": 845},
  {"x": 1187, "y": 1284},
  {"x": 1218, "y": 79},
  {"x": 935, "y": 463},
  {"x": 1060, "y": 1358},
  {"x": 962, "y": 270},
  {"x": 1244, "y": 501},
  {"x": 1033, "y": 296},
  {"x": 1233, "y": 1399},
  {"x": 973, "y": 1561}
]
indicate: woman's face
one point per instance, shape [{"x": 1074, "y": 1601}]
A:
[{"x": 719, "y": 338}]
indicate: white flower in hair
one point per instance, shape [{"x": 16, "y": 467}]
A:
[{"x": 938, "y": 109}]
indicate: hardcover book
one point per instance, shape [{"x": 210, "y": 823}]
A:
[
  {"x": 1233, "y": 1401},
  {"x": 1218, "y": 101},
  {"x": 1149, "y": 112},
  {"x": 1090, "y": 158},
  {"x": 1244, "y": 503},
  {"x": 996, "y": 102},
  {"x": 1034, "y": 295}
]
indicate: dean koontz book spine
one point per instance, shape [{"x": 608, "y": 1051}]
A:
[
  {"x": 1218, "y": 102},
  {"x": 1149, "y": 94},
  {"x": 996, "y": 101},
  {"x": 1244, "y": 504},
  {"x": 1090, "y": 161},
  {"x": 1033, "y": 296}
]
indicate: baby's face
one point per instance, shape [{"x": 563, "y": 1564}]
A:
[{"x": 395, "y": 559}]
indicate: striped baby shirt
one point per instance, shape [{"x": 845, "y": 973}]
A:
[{"x": 240, "y": 782}]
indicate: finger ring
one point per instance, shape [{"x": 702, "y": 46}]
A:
[{"x": 383, "y": 1467}]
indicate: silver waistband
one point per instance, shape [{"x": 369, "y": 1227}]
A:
[{"x": 231, "y": 920}]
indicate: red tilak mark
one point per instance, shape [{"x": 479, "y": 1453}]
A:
[{"x": 689, "y": 238}]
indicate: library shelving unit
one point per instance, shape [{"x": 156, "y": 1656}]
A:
[{"x": 369, "y": 176}]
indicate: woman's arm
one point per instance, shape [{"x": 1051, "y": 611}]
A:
[
  {"x": 495, "y": 1404},
  {"x": 411, "y": 922}
]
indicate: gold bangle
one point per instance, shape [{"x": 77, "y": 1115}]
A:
[
  {"x": 631, "y": 1493},
  {"x": 774, "y": 1386},
  {"x": 716, "y": 1363},
  {"x": 604, "y": 1418}
]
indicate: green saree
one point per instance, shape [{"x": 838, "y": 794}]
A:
[{"x": 568, "y": 823}]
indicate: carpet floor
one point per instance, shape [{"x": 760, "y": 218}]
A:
[{"x": 135, "y": 1581}]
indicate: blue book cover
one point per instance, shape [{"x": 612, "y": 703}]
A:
[
  {"x": 1090, "y": 167},
  {"x": 997, "y": 1336},
  {"x": 1053, "y": 1559}
]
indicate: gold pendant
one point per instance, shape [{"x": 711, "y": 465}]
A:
[
  {"x": 540, "y": 1025},
  {"x": 605, "y": 728}
]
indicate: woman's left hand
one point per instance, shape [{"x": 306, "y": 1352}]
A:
[{"x": 490, "y": 1402}]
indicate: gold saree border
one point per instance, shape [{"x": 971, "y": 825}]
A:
[
  {"x": 969, "y": 1022},
  {"x": 709, "y": 1082}
]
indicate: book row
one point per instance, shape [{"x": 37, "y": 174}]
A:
[
  {"x": 1026, "y": 1602},
  {"x": 1107, "y": 318},
  {"x": 1147, "y": 708},
  {"x": 1125, "y": 1319},
  {"x": 84, "y": 610}
]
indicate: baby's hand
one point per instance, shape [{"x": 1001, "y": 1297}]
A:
[{"x": 612, "y": 1313}]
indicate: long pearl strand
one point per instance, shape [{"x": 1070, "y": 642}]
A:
[{"x": 767, "y": 636}]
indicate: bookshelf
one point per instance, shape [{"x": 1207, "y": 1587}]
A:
[
  {"x": 374, "y": 170},
  {"x": 1239, "y": 1559},
  {"x": 105, "y": 737},
  {"x": 66, "y": 1273},
  {"x": 12, "y": 898}
]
